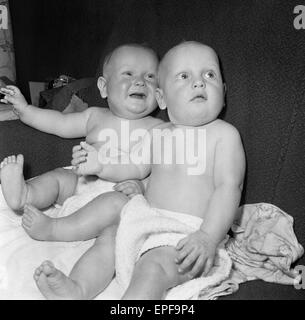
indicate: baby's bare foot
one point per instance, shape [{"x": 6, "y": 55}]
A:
[
  {"x": 55, "y": 285},
  {"x": 13, "y": 185},
  {"x": 37, "y": 225}
]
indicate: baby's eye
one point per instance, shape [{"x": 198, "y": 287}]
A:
[
  {"x": 210, "y": 74},
  {"x": 183, "y": 76},
  {"x": 127, "y": 73},
  {"x": 151, "y": 76}
]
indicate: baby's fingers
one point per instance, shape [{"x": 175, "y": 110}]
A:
[
  {"x": 76, "y": 148},
  {"x": 181, "y": 243},
  {"x": 183, "y": 253},
  {"x": 198, "y": 267},
  {"x": 86, "y": 146},
  {"x": 4, "y": 101},
  {"x": 77, "y": 161},
  {"x": 208, "y": 266},
  {"x": 13, "y": 88},
  {"x": 81, "y": 169},
  {"x": 120, "y": 186},
  {"x": 125, "y": 184},
  {"x": 188, "y": 261},
  {"x": 78, "y": 154},
  {"x": 7, "y": 91},
  {"x": 128, "y": 190}
]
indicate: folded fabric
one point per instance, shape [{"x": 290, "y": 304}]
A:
[
  {"x": 264, "y": 245},
  {"x": 143, "y": 228}
]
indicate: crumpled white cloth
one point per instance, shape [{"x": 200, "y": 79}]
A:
[
  {"x": 264, "y": 245},
  {"x": 143, "y": 228}
]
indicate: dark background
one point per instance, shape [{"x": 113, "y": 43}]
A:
[
  {"x": 261, "y": 53},
  {"x": 59, "y": 37}
]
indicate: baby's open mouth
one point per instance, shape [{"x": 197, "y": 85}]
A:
[{"x": 138, "y": 95}]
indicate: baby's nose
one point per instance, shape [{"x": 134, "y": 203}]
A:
[
  {"x": 139, "y": 81},
  {"x": 200, "y": 83}
]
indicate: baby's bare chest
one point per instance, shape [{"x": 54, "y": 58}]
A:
[
  {"x": 123, "y": 134},
  {"x": 186, "y": 153}
]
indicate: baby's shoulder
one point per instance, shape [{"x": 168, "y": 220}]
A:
[
  {"x": 223, "y": 127},
  {"x": 224, "y": 131},
  {"x": 98, "y": 111},
  {"x": 100, "y": 115}
]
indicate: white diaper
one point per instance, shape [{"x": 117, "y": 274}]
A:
[{"x": 143, "y": 228}]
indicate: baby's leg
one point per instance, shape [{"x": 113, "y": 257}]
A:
[
  {"x": 154, "y": 273},
  {"x": 84, "y": 224},
  {"x": 41, "y": 192},
  {"x": 90, "y": 275}
]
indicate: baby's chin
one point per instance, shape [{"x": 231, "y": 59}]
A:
[
  {"x": 139, "y": 111},
  {"x": 191, "y": 122}
]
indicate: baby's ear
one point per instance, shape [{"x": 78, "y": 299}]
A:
[
  {"x": 160, "y": 99},
  {"x": 102, "y": 86}
]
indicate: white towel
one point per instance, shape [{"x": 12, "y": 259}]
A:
[
  {"x": 143, "y": 228},
  {"x": 21, "y": 255}
]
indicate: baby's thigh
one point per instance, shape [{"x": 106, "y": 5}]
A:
[{"x": 164, "y": 257}]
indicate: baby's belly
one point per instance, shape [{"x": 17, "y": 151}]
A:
[{"x": 185, "y": 198}]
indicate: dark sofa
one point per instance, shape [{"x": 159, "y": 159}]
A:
[{"x": 263, "y": 63}]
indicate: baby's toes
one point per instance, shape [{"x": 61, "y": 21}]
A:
[
  {"x": 20, "y": 159},
  {"x": 27, "y": 221},
  {"x": 38, "y": 272},
  {"x": 5, "y": 161},
  {"x": 11, "y": 159},
  {"x": 48, "y": 267}
]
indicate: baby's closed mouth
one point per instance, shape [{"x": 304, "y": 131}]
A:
[
  {"x": 199, "y": 98},
  {"x": 138, "y": 95}
]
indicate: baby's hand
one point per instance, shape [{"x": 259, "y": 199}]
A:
[
  {"x": 14, "y": 96},
  {"x": 196, "y": 249},
  {"x": 85, "y": 160},
  {"x": 130, "y": 187},
  {"x": 78, "y": 155}
]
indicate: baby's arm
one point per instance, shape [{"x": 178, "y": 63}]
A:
[
  {"x": 125, "y": 166},
  {"x": 70, "y": 125},
  {"x": 229, "y": 169}
]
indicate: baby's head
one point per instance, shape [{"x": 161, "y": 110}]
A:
[
  {"x": 190, "y": 84},
  {"x": 129, "y": 81}
]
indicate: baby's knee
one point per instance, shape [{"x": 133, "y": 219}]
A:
[
  {"x": 152, "y": 269},
  {"x": 64, "y": 173},
  {"x": 160, "y": 262}
]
